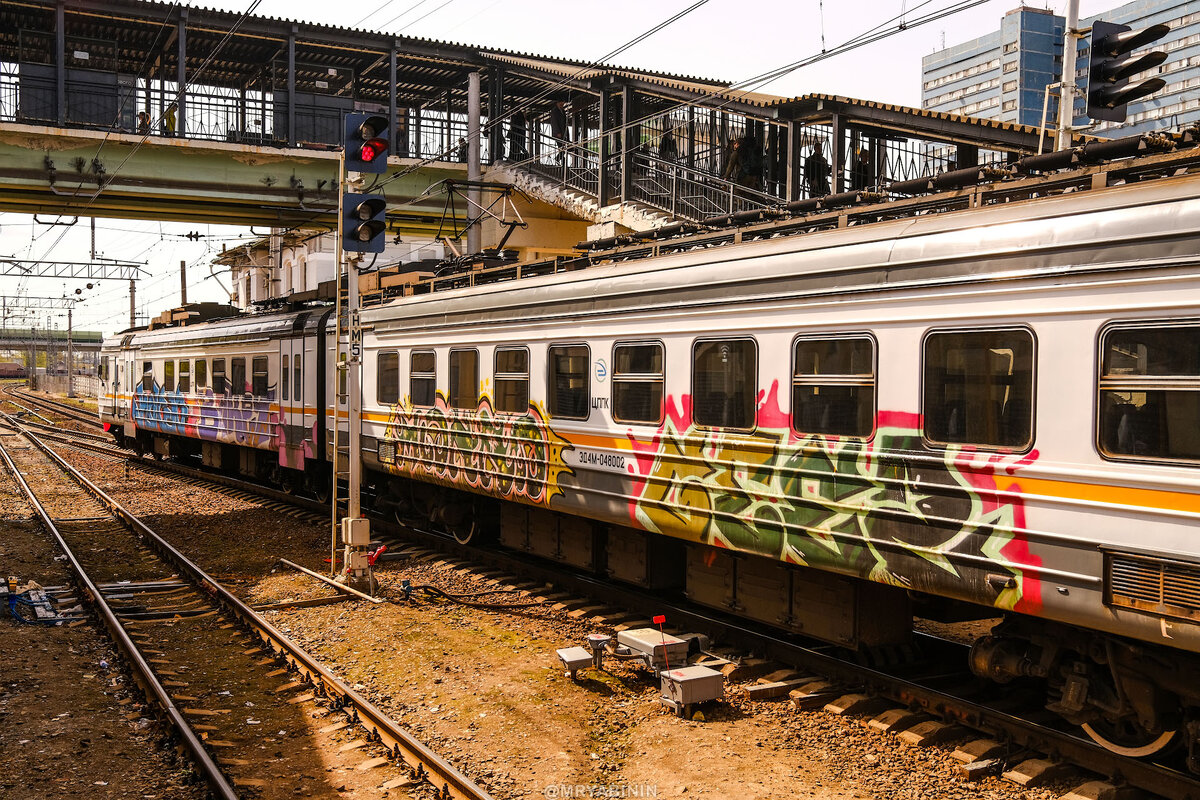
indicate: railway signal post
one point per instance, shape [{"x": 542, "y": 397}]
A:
[{"x": 361, "y": 225}]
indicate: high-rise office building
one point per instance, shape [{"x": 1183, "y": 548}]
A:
[{"x": 1003, "y": 75}]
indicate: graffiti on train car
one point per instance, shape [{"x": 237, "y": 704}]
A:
[
  {"x": 887, "y": 508},
  {"x": 231, "y": 419},
  {"x": 505, "y": 455}
]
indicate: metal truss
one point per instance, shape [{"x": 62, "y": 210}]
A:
[{"x": 93, "y": 270}]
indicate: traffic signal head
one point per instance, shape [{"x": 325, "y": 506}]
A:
[
  {"x": 363, "y": 223},
  {"x": 1109, "y": 89},
  {"x": 366, "y": 143}
]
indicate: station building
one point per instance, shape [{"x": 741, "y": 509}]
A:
[{"x": 1003, "y": 75}]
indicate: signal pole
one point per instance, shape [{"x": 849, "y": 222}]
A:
[{"x": 1066, "y": 92}]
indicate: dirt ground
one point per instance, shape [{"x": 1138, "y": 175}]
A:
[
  {"x": 484, "y": 689},
  {"x": 64, "y": 730}
]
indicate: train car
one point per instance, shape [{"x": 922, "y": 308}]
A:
[
  {"x": 993, "y": 411},
  {"x": 244, "y": 394},
  {"x": 997, "y": 407}
]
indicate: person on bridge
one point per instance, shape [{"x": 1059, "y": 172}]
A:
[
  {"x": 862, "y": 176},
  {"x": 143, "y": 125},
  {"x": 558, "y": 128},
  {"x": 168, "y": 123},
  {"x": 518, "y": 131},
  {"x": 462, "y": 152},
  {"x": 667, "y": 150},
  {"x": 816, "y": 173}
]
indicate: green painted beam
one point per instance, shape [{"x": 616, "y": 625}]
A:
[{"x": 47, "y": 170}]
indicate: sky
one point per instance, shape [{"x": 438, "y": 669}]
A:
[{"x": 731, "y": 40}]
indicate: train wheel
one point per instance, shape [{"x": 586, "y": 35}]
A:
[{"x": 1125, "y": 737}]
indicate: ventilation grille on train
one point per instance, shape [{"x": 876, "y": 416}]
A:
[{"x": 1171, "y": 588}]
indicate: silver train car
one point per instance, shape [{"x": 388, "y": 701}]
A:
[{"x": 993, "y": 411}]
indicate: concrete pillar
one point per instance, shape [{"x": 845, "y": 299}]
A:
[
  {"x": 495, "y": 113},
  {"x": 474, "y": 168}
]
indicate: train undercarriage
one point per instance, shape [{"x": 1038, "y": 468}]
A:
[{"x": 1134, "y": 699}]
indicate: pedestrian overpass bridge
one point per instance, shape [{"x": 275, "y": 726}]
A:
[{"x": 260, "y": 103}]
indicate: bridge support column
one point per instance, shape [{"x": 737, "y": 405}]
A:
[
  {"x": 474, "y": 170},
  {"x": 291, "y": 88},
  {"x": 628, "y": 141},
  {"x": 794, "y": 162},
  {"x": 60, "y": 63},
  {"x": 837, "y": 154},
  {"x": 604, "y": 195},
  {"x": 181, "y": 75},
  {"x": 495, "y": 113},
  {"x": 400, "y": 132}
]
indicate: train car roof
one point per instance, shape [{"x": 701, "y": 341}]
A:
[
  {"x": 1042, "y": 236},
  {"x": 248, "y": 327}
]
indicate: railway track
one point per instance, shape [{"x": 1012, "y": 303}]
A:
[
  {"x": 228, "y": 683},
  {"x": 25, "y": 399},
  {"x": 949, "y": 695}
]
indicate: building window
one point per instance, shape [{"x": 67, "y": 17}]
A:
[
  {"x": 185, "y": 376},
  {"x": 218, "y": 381},
  {"x": 387, "y": 378},
  {"x": 568, "y": 378},
  {"x": 422, "y": 377},
  {"x": 201, "y": 374},
  {"x": 237, "y": 376},
  {"x": 464, "y": 379},
  {"x": 979, "y": 388},
  {"x": 169, "y": 375},
  {"x": 511, "y": 371},
  {"x": 637, "y": 383},
  {"x": 259, "y": 375},
  {"x": 725, "y": 383},
  {"x": 1150, "y": 392},
  {"x": 833, "y": 386},
  {"x": 1010, "y": 86},
  {"x": 1009, "y": 105},
  {"x": 1010, "y": 66},
  {"x": 1010, "y": 47}
]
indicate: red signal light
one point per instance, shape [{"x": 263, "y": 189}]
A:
[{"x": 372, "y": 149}]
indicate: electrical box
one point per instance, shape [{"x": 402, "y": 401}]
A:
[
  {"x": 575, "y": 659},
  {"x": 659, "y": 650},
  {"x": 688, "y": 686},
  {"x": 356, "y": 532},
  {"x": 355, "y": 560}
]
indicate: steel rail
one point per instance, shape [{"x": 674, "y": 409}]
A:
[
  {"x": 144, "y": 675},
  {"x": 66, "y": 409},
  {"x": 1008, "y": 727},
  {"x": 401, "y": 743}
]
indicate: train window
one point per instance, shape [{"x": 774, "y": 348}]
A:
[
  {"x": 637, "y": 383},
  {"x": 218, "y": 382},
  {"x": 422, "y": 377},
  {"x": 237, "y": 376},
  {"x": 147, "y": 376},
  {"x": 185, "y": 376},
  {"x": 464, "y": 379},
  {"x": 201, "y": 375},
  {"x": 833, "y": 386},
  {"x": 169, "y": 375},
  {"x": 297, "y": 383},
  {"x": 259, "y": 376},
  {"x": 725, "y": 383},
  {"x": 569, "y": 393},
  {"x": 1150, "y": 392},
  {"x": 978, "y": 388},
  {"x": 387, "y": 378},
  {"x": 283, "y": 381},
  {"x": 512, "y": 380}
]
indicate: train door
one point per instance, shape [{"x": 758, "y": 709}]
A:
[
  {"x": 111, "y": 365},
  {"x": 291, "y": 400},
  {"x": 129, "y": 380}
]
